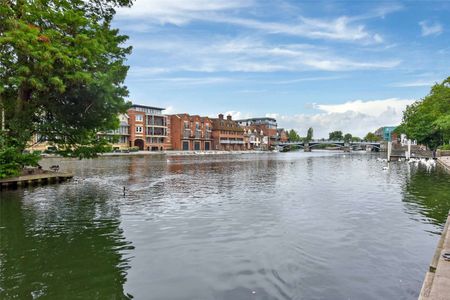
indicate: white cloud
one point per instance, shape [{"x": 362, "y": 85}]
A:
[
  {"x": 169, "y": 110},
  {"x": 177, "y": 12},
  {"x": 245, "y": 54},
  {"x": 373, "y": 108},
  {"x": 356, "y": 117},
  {"x": 429, "y": 28},
  {"x": 416, "y": 83},
  {"x": 236, "y": 115},
  {"x": 340, "y": 28},
  {"x": 182, "y": 12},
  {"x": 187, "y": 80}
]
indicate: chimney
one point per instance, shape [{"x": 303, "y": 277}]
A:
[
  {"x": 229, "y": 117},
  {"x": 221, "y": 116}
]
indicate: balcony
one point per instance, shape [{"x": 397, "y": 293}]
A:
[{"x": 233, "y": 142}]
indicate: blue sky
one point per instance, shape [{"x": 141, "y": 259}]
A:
[{"x": 332, "y": 65}]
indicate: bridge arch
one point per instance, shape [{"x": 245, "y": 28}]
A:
[{"x": 333, "y": 144}]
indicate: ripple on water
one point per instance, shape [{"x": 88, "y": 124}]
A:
[{"x": 281, "y": 226}]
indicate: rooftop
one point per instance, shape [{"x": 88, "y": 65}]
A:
[
  {"x": 257, "y": 119},
  {"x": 145, "y": 106}
]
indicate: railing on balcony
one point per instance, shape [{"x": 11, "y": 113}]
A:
[{"x": 234, "y": 142}]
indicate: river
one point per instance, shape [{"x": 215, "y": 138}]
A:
[{"x": 317, "y": 225}]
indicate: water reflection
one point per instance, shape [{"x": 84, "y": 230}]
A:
[
  {"x": 428, "y": 194},
  {"x": 61, "y": 243},
  {"x": 282, "y": 226}
]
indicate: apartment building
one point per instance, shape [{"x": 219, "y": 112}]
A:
[
  {"x": 148, "y": 128},
  {"x": 283, "y": 135},
  {"x": 227, "y": 134},
  {"x": 190, "y": 133},
  {"x": 264, "y": 129},
  {"x": 120, "y": 137}
]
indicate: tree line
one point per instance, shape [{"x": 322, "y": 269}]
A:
[
  {"x": 332, "y": 136},
  {"x": 62, "y": 72},
  {"x": 428, "y": 120}
]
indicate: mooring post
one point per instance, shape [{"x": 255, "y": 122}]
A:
[
  {"x": 409, "y": 150},
  {"x": 389, "y": 151}
]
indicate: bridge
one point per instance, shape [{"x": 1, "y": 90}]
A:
[{"x": 307, "y": 146}]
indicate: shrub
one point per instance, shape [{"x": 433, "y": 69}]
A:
[
  {"x": 12, "y": 161},
  {"x": 445, "y": 147}
]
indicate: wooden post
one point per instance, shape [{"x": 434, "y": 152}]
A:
[
  {"x": 389, "y": 151},
  {"x": 409, "y": 150}
]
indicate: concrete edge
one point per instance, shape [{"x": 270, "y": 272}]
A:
[
  {"x": 427, "y": 285},
  {"x": 443, "y": 164}
]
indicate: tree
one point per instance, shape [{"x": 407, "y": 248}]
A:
[
  {"x": 348, "y": 138},
  {"x": 309, "y": 135},
  {"x": 293, "y": 136},
  {"x": 336, "y": 136},
  {"x": 428, "y": 120},
  {"x": 356, "y": 139},
  {"x": 62, "y": 72},
  {"x": 371, "y": 137}
]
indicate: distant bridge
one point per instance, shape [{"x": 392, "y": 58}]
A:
[{"x": 341, "y": 144}]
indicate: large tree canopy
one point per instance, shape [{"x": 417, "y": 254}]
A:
[
  {"x": 335, "y": 136},
  {"x": 428, "y": 120},
  {"x": 62, "y": 71}
]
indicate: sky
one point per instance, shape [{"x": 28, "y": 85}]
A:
[{"x": 331, "y": 65}]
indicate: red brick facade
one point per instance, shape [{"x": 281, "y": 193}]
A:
[
  {"x": 190, "y": 133},
  {"x": 264, "y": 128},
  {"x": 227, "y": 134},
  {"x": 148, "y": 128}
]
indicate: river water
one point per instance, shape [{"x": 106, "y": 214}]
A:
[{"x": 299, "y": 225}]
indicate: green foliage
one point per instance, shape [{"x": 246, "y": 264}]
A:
[
  {"x": 348, "y": 138},
  {"x": 356, "y": 139},
  {"x": 309, "y": 135},
  {"x": 293, "y": 136},
  {"x": 335, "y": 136},
  {"x": 371, "y": 137},
  {"x": 13, "y": 161},
  {"x": 428, "y": 120},
  {"x": 445, "y": 147},
  {"x": 62, "y": 71}
]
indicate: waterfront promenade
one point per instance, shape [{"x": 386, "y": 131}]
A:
[
  {"x": 444, "y": 161},
  {"x": 436, "y": 285}
]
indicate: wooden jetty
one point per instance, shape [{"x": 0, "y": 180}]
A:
[
  {"x": 444, "y": 161},
  {"x": 436, "y": 285},
  {"x": 34, "y": 179}
]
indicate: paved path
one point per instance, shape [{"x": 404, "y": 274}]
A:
[
  {"x": 436, "y": 285},
  {"x": 445, "y": 162},
  {"x": 48, "y": 177}
]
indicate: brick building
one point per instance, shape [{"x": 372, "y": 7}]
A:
[
  {"x": 190, "y": 133},
  {"x": 265, "y": 128},
  {"x": 121, "y": 135},
  {"x": 282, "y": 135},
  {"x": 227, "y": 134},
  {"x": 148, "y": 128}
]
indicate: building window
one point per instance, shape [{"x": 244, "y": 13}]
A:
[
  {"x": 139, "y": 118},
  {"x": 139, "y": 129}
]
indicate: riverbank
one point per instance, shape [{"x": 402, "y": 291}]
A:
[
  {"x": 26, "y": 180},
  {"x": 437, "y": 280},
  {"x": 174, "y": 153},
  {"x": 444, "y": 161}
]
